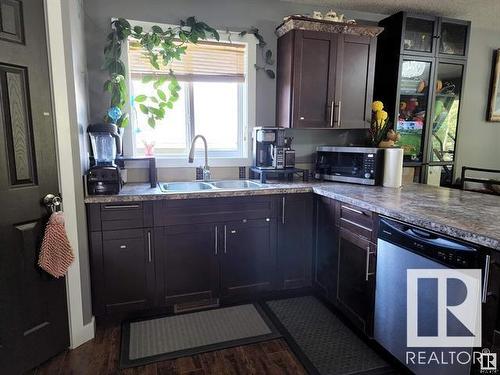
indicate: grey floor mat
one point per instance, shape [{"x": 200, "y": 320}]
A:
[
  {"x": 169, "y": 337},
  {"x": 328, "y": 343}
]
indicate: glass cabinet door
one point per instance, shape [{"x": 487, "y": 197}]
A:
[
  {"x": 449, "y": 79},
  {"x": 418, "y": 35},
  {"x": 413, "y": 101},
  {"x": 453, "y": 38}
]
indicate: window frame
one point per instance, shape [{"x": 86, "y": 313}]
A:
[{"x": 246, "y": 123}]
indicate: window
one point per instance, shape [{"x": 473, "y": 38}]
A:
[{"x": 217, "y": 100}]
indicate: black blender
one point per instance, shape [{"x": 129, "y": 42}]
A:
[{"x": 103, "y": 177}]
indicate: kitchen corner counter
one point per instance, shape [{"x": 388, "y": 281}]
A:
[{"x": 469, "y": 216}]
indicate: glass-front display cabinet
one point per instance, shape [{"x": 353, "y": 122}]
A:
[{"x": 419, "y": 77}]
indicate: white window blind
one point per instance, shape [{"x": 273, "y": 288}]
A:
[{"x": 204, "y": 61}]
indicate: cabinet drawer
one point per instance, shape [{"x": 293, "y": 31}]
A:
[
  {"x": 116, "y": 216},
  {"x": 355, "y": 219},
  {"x": 198, "y": 211}
]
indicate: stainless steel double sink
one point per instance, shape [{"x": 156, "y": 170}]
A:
[{"x": 191, "y": 186}]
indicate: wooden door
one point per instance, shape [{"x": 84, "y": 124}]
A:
[
  {"x": 187, "y": 267},
  {"x": 355, "y": 284},
  {"x": 313, "y": 79},
  {"x": 326, "y": 255},
  {"x": 354, "y": 85},
  {"x": 33, "y": 310},
  {"x": 248, "y": 256},
  {"x": 295, "y": 240},
  {"x": 128, "y": 280}
]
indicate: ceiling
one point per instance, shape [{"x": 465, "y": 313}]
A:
[{"x": 482, "y": 13}]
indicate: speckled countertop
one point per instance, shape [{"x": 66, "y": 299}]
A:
[{"x": 473, "y": 217}]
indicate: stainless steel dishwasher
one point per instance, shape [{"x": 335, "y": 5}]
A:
[{"x": 402, "y": 247}]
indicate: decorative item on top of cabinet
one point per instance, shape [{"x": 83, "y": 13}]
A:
[
  {"x": 325, "y": 74},
  {"x": 494, "y": 104}
]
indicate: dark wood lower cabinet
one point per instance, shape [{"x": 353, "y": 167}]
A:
[
  {"x": 247, "y": 256},
  {"x": 356, "y": 271},
  {"x": 124, "y": 271},
  {"x": 187, "y": 264},
  {"x": 326, "y": 252},
  {"x": 295, "y": 240}
]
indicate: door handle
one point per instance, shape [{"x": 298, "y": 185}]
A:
[
  {"x": 52, "y": 202},
  {"x": 283, "y": 203},
  {"x": 121, "y": 207},
  {"x": 338, "y": 113},
  {"x": 331, "y": 113},
  {"x": 368, "y": 273},
  {"x": 150, "y": 255},
  {"x": 225, "y": 239},
  {"x": 486, "y": 278},
  {"x": 352, "y": 210},
  {"x": 216, "y": 242}
]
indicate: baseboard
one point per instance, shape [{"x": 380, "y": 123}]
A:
[{"x": 86, "y": 333}]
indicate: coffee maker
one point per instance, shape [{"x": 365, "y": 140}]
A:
[
  {"x": 104, "y": 176},
  {"x": 271, "y": 149}
]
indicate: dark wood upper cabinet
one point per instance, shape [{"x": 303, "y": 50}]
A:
[
  {"x": 324, "y": 80},
  {"x": 295, "y": 240},
  {"x": 187, "y": 264},
  {"x": 248, "y": 256},
  {"x": 355, "y": 78}
]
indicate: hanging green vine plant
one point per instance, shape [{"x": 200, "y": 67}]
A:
[{"x": 161, "y": 47}]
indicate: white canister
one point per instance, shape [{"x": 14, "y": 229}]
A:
[{"x": 393, "y": 167}]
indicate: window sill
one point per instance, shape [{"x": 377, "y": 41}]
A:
[{"x": 172, "y": 162}]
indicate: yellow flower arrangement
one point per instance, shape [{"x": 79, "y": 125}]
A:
[
  {"x": 379, "y": 127},
  {"x": 377, "y": 106}
]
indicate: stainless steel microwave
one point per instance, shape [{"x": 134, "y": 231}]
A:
[{"x": 360, "y": 165}]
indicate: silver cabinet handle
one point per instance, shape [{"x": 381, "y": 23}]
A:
[
  {"x": 225, "y": 239},
  {"x": 331, "y": 114},
  {"x": 352, "y": 210},
  {"x": 150, "y": 255},
  {"x": 121, "y": 207},
  {"x": 216, "y": 242},
  {"x": 486, "y": 278},
  {"x": 338, "y": 113},
  {"x": 368, "y": 273},
  {"x": 283, "y": 203}
]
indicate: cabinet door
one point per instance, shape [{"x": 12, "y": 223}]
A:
[
  {"x": 415, "y": 91},
  {"x": 295, "y": 240},
  {"x": 453, "y": 38},
  {"x": 248, "y": 256},
  {"x": 187, "y": 264},
  {"x": 326, "y": 255},
  {"x": 354, "y": 81},
  {"x": 419, "y": 35},
  {"x": 355, "y": 285},
  {"x": 313, "y": 79},
  {"x": 127, "y": 274}
]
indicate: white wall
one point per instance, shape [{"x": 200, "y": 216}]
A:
[{"x": 478, "y": 140}]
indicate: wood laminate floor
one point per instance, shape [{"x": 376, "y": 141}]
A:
[{"x": 100, "y": 356}]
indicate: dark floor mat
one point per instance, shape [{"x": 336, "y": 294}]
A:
[{"x": 327, "y": 343}]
